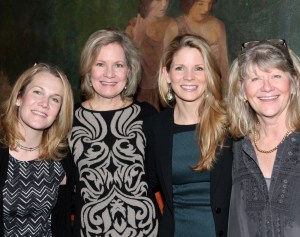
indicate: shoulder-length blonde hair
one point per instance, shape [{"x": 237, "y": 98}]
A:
[
  {"x": 212, "y": 113},
  {"x": 54, "y": 140},
  {"x": 264, "y": 55},
  {"x": 90, "y": 52}
]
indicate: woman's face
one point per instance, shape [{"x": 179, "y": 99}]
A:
[
  {"x": 158, "y": 8},
  {"x": 187, "y": 75},
  {"x": 40, "y": 104},
  {"x": 109, "y": 72},
  {"x": 200, "y": 9},
  {"x": 268, "y": 92}
]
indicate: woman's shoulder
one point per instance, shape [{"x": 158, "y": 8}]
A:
[
  {"x": 213, "y": 21},
  {"x": 160, "y": 118},
  {"x": 146, "y": 108}
]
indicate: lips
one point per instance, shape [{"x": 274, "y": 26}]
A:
[
  {"x": 189, "y": 87},
  {"x": 267, "y": 98},
  {"x": 36, "y": 112},
  {"x": 106, "y": 83}
]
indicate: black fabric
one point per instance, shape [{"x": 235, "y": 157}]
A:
[
  {"x": 61, "y": 224},
  {"x": 159, "y": 136}
]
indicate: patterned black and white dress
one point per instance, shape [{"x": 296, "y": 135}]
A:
[
  {"x": 29, "y": 195},
  {"x": 113, "y": 197}
]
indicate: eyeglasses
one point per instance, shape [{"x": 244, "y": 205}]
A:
[{"x": 253, "y": 43}]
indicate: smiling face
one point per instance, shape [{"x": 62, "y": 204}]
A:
[
  {"x": 158, "y": 8},
  {"x": 109, "y": 72},
  {"x": 187, "y": 75},
  {"x": 41, "y": 101},
  {"x": 268, "y": 92}
]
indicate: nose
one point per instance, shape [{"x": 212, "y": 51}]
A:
[
  {"x": 267, "y": 85},
  {"x": 206, "y": 8},
  {"x": 44, "y": 102},
  {"x": 165, "y": 3},
  {"x": 189, "y": 75},
  {"x": 109, "y": 72}
]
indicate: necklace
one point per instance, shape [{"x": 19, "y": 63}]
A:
[
  {"x": 25, "y": 148},
  {"x": 275, "y": 148},
  {"x": 92, "y": 108}
]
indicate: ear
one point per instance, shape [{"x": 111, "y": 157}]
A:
[{"x": 166, "y": 75}]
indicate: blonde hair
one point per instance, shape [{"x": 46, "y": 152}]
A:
[
  {"x": 90, "y": 52},
  {"x": 54, "y": 140},
  {"x": 264, "y": 55},
  {"x": 212, "y": 113}
]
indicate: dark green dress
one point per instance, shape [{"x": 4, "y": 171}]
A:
[{"x": 191, "y": 189}]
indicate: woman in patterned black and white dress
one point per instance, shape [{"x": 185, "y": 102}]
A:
[
  {"x": 35, "y": 121},
  {"x": 108, "y": 143}
]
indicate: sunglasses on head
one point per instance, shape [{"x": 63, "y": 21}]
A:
[{"x": 253, "y": 43}]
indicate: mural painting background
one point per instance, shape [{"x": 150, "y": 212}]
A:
[{"x": 55, "y": 31}]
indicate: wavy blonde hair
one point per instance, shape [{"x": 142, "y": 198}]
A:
[
  {"x": 212, "y": 128},
  {"x": 54, "y": 140},
  {"x": 264, "y": 55}
]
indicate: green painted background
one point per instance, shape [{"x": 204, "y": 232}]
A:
[{"x": 54, "y": 31}]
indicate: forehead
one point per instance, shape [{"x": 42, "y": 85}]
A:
[
  {"x": 113, "y": 50},
  {"x": 48, "y": 82},
  {"x": 188, "y": 53}
]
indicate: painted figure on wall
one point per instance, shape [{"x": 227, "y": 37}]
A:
[
  {"x": 197, "y": 20},
  {"x": 147, "y": 31}
]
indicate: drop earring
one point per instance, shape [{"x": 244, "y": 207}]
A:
[
  {"x": 90, "y": 80},
  {"x": 170, "y": 95}
]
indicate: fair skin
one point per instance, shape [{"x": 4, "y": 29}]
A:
[
  {"x": 188, "y": 81},
  {"x": 109, "y": 78},
  {"x": 38, "y": 108},
  {"x": 268, "y": 93},
  {"x": 153, "y": 25}
]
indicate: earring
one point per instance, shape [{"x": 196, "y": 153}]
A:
[
  {"x": 170, "y": 95},
  {"x": 90, "y": 80}
]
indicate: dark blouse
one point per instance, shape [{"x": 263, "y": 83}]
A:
[
  {"x": 191, "y": 189},
  {"x": 256, "y": 210},
  {"x": 29, "y": 195}
]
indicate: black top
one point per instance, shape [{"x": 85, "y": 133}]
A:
[
  {"x": 60, "y": 216},
  {"x": 159, "y": 136}
]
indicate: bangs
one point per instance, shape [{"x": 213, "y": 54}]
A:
[{"x": 264, "y": 60}]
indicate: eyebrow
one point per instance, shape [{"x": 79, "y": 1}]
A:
[{"x": 42, "y": 88}]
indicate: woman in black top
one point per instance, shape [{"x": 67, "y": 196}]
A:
[
  {"x": 189, "y": 156},
  {"x": 34, "y": 125}
]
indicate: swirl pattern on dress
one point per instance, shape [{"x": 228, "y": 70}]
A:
[{"x": 109, "y": 151}]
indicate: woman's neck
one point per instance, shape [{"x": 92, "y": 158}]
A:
[{"x": 186, "y": 114}]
